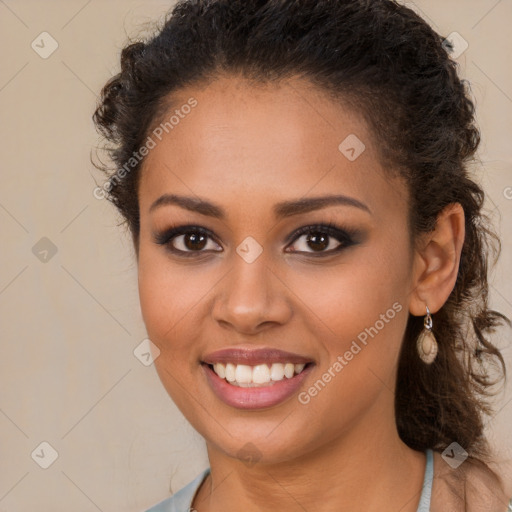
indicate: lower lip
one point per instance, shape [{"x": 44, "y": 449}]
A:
[{"x": 257, "y": 397}]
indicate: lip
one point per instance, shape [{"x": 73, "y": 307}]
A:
[
  {"x": 254, "y": 398},
  {"x": 254, "y": 356}
]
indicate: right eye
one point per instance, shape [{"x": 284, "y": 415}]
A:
[{"x": 186, "y": 240}]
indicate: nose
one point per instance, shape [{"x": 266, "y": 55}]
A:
[{"x": 251, "y": 298}]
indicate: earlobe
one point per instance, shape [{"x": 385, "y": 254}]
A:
[{"x": 436, "y": 261}]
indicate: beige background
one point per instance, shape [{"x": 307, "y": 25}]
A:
[{"x": 69, "y": 325}]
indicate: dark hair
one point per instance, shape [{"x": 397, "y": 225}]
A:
[{"x": 395, "y": 71}]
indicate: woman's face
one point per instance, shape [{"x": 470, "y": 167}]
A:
[{"x": 245, "y": 280}]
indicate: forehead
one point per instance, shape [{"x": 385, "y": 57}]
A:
[{"x": 262, "y": 142}]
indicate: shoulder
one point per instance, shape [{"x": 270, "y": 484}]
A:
[
  {"x": 181, "y": 501},
  {"x": 472, "y": 486}
]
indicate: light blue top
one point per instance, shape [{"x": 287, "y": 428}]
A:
[{"x": 182, "y": 500}]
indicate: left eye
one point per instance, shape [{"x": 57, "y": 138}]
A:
[{"x": 320, "y": 240}]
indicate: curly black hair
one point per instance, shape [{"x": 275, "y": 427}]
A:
[{"x": 396, "y": 72}]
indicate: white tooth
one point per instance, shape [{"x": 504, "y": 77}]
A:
[
  {"x": 230, "y": 372},
  {"x": 243, "y": 373},
  {"x": 277, "y": 371},
  {"x": 220, "y": 370},
  {"x": 289, "y": 370},
  {"x": 299, "y": 368},
  {"x": 260, "y": 374}
]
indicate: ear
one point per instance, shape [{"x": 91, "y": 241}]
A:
[{"x": 436, "y": 261}]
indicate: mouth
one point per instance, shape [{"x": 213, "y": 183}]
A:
[
  {"x": 255, "y": 378},
  {"x": 261, "y": 375}
]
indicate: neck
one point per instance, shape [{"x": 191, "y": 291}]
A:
[{"x": 367, "y": 468}]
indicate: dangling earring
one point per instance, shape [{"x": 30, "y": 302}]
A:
[{"x": 426, "y": 343}]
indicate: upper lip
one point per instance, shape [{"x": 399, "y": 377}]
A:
[{"x": 254, "y": 356}]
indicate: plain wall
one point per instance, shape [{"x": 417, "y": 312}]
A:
[{"x": 69, "y": 325}]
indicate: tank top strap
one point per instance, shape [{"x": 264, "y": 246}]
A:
[{"x": 426, "y": 492}]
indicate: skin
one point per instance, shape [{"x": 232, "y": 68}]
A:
[{"x": 246, "y": 147}]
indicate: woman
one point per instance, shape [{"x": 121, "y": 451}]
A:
[{"x": 311, "y": 251}]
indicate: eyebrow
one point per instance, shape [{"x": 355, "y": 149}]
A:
[{"x": 281, "y": 210}]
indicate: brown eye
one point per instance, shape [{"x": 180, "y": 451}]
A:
[
  {"x": 315, "y": 241},
  {"x": 312, "y": 239},
  {"x": 195, "y": 241},
  {"x": 191, "y": 241},
  {"x": 187, "y": 240}
]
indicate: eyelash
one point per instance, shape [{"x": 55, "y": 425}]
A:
[{"x": 346, "y": 237}]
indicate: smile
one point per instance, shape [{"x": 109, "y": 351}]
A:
[
  {"x": 243, "y": 375},
  {"x": 255, "y": 378}
]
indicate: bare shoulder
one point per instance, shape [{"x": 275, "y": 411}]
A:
[{"x": 471, "y": 486}]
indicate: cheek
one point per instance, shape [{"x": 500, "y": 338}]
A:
[
  {"x": 164, "y": 288},
  {"x": 352, "y": 295},
  {"x": 357, "y": 314},
  {"x": 166, "y": 298},
  {"x": 357, "y": 309}
]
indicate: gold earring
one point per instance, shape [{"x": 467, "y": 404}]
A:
[{"x": 426, "y": 343}]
